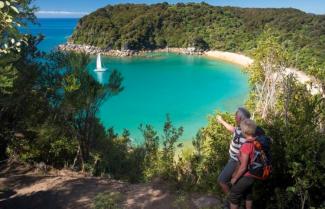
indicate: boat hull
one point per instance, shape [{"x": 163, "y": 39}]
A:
[{"x": 100, "y": 70}]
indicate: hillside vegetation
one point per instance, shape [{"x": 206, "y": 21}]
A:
[
  {"x": 49, "y": 106},
  {"x": 138, "y": 26}
]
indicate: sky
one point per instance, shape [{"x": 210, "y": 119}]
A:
[{"x": 79, "y": 8}]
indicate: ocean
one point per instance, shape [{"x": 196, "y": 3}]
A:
[{"x": 187, "y": 88}]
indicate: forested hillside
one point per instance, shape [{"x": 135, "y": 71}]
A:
[{"x": 137, "y": 26}]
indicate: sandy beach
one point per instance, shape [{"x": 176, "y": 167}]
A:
[
  {"x": 312, "y": 85},
  {"x": 235, "y": 58}
]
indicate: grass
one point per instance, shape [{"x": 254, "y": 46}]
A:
[{"x": 107, "y": 200}]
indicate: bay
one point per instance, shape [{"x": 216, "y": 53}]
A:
[{"x": 188, "y": 88}]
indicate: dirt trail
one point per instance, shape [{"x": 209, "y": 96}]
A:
[{"x": 25, "y": 187}]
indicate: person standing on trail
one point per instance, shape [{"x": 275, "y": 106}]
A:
[
  {"x": 236, "y": 142},
  {"x": 242, "y": 180}
]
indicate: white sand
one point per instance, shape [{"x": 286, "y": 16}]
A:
[
  {"x": 230, "y": 57},
  {"x": 245, "y": 61}
]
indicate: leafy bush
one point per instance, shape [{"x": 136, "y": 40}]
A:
[
  {"x": 107, "y": 200},
  {"x": 139, "y": 26}
]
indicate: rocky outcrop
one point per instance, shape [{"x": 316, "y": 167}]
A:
[
  {"x": 88, "y": 49},
  {"x": 187, "y": 51}
]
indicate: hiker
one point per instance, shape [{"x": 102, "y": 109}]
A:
[
  {"x": 242, "y": 180},
  {"x": 237, "y": 140}
]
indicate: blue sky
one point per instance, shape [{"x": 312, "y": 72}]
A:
[{"x": 77, "y": 8}]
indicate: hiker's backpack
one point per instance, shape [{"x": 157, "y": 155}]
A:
[{"x": 260, "y": 166}]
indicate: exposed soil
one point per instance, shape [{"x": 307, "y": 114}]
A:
[{"x": 28, "y": 187}]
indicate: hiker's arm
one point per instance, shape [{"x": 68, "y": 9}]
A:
[
  {"x": 242, "y": 168},
  {"x": 225, "y": 124}
]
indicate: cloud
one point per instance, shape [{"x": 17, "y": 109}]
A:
[{"x": 60, "y": 13}]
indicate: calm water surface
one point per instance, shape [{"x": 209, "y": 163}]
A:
[{"x": 188, "y": 88}]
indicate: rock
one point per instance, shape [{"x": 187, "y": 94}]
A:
[
  {"x": 93, "y": 50},
  {"x": 41, "y": 168},
  {"x": 207, "y": 202}
]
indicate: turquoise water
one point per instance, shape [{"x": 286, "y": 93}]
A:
[
  {"x": 188, "y": 88},
  {"x": 56, "y": 31}
]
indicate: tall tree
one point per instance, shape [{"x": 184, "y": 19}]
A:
[
  {"x": 83, "y": 96},
  {"x": 267, "y": 72},
  {"x": 14, "y": 51}
]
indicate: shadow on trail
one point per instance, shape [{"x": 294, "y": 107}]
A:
[
  {"x": 40, "y": 200},
  {"x": 75, "y": 193},
  {"x": 6, "y": 194}
]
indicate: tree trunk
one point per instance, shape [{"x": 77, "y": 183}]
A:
[
  {"x": 76, "y": 158},
  {"x": 303, "y": 198}
]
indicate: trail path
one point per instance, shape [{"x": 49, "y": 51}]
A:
[{"x": 24, "y": 187}]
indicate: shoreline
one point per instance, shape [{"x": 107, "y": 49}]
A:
[
  {"x": 239, "y": 59},
  {"x": 93, "y": 50},
  {"x": 310, "y": 81},
  {"x": 231, "y": 57},
  {"x": 235, "y": 58}
]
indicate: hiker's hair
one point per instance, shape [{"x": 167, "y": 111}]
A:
[
  {"x": 248, "y": 127},
  {"x": 243, "y": 114}
]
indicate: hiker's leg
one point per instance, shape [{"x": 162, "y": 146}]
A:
[
  {"x": 249, "y": 194},
  {"x": 239, "y": 190},
  {"x": 226, "y": 174},
  {"x": 249, "y": 204},
  {"x": 224, "y": 187},
  {"x": 235, "y": 195},
  {"x": 233, "y": 206}
]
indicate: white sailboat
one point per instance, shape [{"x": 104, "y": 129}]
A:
[{"x": 99, "y": 67}]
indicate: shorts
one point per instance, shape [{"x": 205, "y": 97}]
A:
[
  {"x": 227, "y": 171},
  {"x": 242, "y": 189}
]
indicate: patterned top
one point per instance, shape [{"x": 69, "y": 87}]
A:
[{"x": 236, "y": 143}]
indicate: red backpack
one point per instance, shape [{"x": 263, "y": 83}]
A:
[{"x": 260, "y": 167}]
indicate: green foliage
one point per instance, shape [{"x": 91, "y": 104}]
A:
[
  {"x": 159, "y": 161},
  {"x": 295, "y": 123},
  {"x": 12, "y": 16},
  {"x": 151, "y": 147},
  {"x": 83, "y": 96},
  {"x": 267, "y": 72},
  {"x": 169, "y": 139},
  {"x": 181, "y": 201},
  {"x": 199, "y": 43},
  {"x": 268, "y": 52},
  {"x": 62, "y": 149},
  {"x": 118, "y": 158},
  {"x": 107, "y": 200},
  {"x": 139, "y": 26},
  {"x": 49, "y": 145},
  {"x": 48, "y": 109},
  {"x": 298, "y": 166},
  {"x": 210, "y": 155},
  {"x": 7, "y": 76}
]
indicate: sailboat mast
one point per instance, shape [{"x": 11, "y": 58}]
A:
[{"x": 99, "y": 63}]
